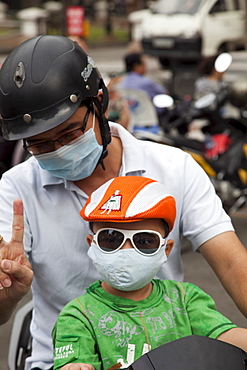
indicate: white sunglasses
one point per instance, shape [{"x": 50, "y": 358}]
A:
[{"x": 146, "y": 242}]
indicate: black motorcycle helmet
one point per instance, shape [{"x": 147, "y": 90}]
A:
[{"x": 43, "y": 82}]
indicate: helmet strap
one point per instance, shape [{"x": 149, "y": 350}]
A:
[
  {"x": 103, "y": 121},
  {"x": 104, "y": 130}
]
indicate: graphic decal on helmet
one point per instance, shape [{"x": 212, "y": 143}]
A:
[
  {"x": 88, "y": 69},
  {"x": 113, "y": 203}
]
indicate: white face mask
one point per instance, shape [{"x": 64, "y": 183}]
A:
[
  {"x": 74, "y": 161},
  {"x": 127, "y": 269}
]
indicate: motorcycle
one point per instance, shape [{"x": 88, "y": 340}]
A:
[
  {"x": 219, "y": 146},
  {"x": 192, "y": 353},
  {"x": 188, "y": 353}
]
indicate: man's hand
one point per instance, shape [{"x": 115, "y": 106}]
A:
[
  {"x": 77, "y": 367},
  {"x": 15, "y": 269}
]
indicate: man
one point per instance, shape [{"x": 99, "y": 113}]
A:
[
  {"x": 53, "y": 97},
  {"x": 135, "y": 78}
]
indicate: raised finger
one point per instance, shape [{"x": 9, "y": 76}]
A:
[{"x": 18, "y": 221}]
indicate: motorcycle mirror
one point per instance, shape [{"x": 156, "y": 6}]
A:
[
  {"x": 223, "y": 62},
  {"x": 163, "y": 101},
  {"x": 205, "y": 101}
]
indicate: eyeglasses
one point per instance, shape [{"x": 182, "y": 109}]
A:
[
  {"x": 146, "y": 242},
  {"x": 48, "y": 146}
]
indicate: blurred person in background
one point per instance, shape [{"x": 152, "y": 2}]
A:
[
  {"x": 211, "y": 80},
  {"x": 135, "y": 78}
]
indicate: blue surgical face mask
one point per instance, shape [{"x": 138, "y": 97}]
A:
[
  {"x": 127, "y": 269},
  {"x": 74, "y": 161}
]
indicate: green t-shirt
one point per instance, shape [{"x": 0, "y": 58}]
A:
[{"x": 101, "y": 329}]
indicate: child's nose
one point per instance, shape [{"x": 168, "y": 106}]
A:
[{"x": 127, "y": 244}]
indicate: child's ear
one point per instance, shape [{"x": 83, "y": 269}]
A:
[
  {"x": 169, "y": 246},
  {"x": 89, "y": 239}
]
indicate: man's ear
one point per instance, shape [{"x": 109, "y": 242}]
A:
[
  {"x": 89, "y": 239},
  {"x": 169, "y": 246}
]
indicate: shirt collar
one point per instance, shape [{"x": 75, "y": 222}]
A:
[
  {"x": 47, "y": 178},
  {"x": 133, "y": 161}
]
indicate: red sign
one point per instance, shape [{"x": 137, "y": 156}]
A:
[{"x": 75, "y": 20}]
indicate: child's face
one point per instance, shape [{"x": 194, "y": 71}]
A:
[
  {"x": 149, "y": 224},
  {"x": 122, "y": 266}
]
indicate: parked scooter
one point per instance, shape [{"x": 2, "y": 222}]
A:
[
  {"x": 221, "y": 150},
  {"x": 217, "y": 143},
  {"x": 205, "y": 114}
]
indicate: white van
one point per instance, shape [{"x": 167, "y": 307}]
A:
[{"x": 189, "y": 29}]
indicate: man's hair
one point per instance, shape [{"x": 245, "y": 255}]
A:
[
  {"x": 206, "y": 66},
  {"x": 131, "y": 60}
]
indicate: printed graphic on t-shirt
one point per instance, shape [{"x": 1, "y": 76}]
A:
[
  {"x": 142, "y": 332},
  {"x": 64, "y": 351}
]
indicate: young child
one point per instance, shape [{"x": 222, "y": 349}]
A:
[{"x": 129, "y": 312}]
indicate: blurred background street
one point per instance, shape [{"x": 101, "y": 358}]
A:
[{"x": 106, "y": 36}]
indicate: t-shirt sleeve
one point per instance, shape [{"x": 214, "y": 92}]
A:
[
  {"x": 203, "y": 216},
  {"x": 73, "y": 338},
  {"x": 205, "y": 320}
]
